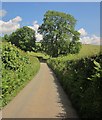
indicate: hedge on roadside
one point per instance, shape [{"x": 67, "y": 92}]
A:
[
  {"x": 17, "y": 69},
  {"x": 82, "y": 81}
]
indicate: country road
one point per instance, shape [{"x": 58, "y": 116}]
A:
[{"x": 43, "y": 97}]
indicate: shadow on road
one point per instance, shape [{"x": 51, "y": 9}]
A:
[{"x": 63, "y": 100}]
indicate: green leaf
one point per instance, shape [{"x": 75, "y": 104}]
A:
[{"x": 97, "y": 64}]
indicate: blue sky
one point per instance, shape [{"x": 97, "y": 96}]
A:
[{"x": 87, "y": 14}]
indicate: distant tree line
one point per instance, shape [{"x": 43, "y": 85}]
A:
[{"x": 59, "y": 35}]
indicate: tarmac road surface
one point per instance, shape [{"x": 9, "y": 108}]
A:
[{"x": 43, "y": 97}]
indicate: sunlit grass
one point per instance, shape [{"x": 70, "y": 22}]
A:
[
  {"x": 39, "y": 54},
  {"x": 86, "y": 51}
]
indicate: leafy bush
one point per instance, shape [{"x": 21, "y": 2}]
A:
[
  {"x": 17, "y": 69},
  {"x": 24, "y": 38},
  {"x": 82, "y": 81}
]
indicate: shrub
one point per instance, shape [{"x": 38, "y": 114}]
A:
[
  {"x": 82, "y": 81},
  {"x": 17, "y": 69}
]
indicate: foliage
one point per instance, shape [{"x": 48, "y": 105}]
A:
[
  {"x": 0, "y": 38},
  {"x": 82, "y": 81},
  {"x": 39, "y": 54},
  {"x": 24, "y": 38},
  {"x": 5, "y": 38},
  {"x": 59, "y": 36},
  {"x": 17, "y": 69},
  {"x": 38, "y": 47}
]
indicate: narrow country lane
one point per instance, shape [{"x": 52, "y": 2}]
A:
[{"x": 43, "y": 97}]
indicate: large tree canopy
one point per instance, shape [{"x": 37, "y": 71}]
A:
[
  {"x": 59, "y": 35},
  {"x": 24, "y": 38}
]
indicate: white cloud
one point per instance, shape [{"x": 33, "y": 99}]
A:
[
  {"x": 35, "y": 28},
  {"x": 10, "y": 26},
  {"x": 13, "y": 24},
  {"x": 38, "y": 37},
  {"x": 17, "y": 19},
  {"x": 95, "y": 40},
  {"x": 89, "y": 39},
  {"x": 3, "y": 13},
  {"x": 82, "y": 32}
]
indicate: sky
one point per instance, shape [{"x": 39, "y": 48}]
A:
[{"x": 17, "y": 14}]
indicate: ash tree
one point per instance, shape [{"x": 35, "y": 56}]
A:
[
  {"x": 59, "y": 34},
  {"x": 24, "y": 38}
]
